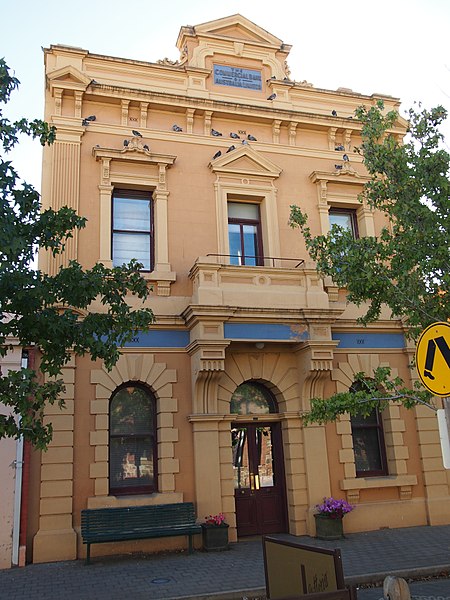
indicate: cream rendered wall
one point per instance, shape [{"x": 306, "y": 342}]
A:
[{"x": 7, "y": 471}]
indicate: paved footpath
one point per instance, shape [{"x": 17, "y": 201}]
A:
[{"x": 237, "y": 573}]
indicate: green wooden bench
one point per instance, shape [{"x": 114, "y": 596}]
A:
[{"x": 101, "y": 525}]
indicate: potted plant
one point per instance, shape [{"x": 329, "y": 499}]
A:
[
  {"x": 215, "y": 533},
  {"x": 329, "y": 518}
]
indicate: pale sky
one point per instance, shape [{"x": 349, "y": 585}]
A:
[{"x": 396, "y": 47}]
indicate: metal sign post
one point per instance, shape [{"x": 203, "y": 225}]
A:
[{"x": 433, "y": 366}]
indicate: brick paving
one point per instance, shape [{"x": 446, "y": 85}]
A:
[{"x": 229, "y": 575}]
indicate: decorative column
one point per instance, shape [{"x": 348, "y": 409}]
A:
[
  {"x": 207, "y": 122},
  {"x": 190, "y": 119},
  {"x": 56, "y": 539},
  {"x": 160, "y": 202},
  {"x": 105, "y": 189},
  {"x": 144, "y": 114},
  {"x": 276, "y": 127},
  {"x": 292, "y": 133},
  {"x": 207, "y": 367},
  {"x": 124, "y": 112}
]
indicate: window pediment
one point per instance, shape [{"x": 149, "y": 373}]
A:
[
  {"x": 68, "y": 78},
  {"x": 245, "y": 161},
  {"x": 345, "y": 175}
]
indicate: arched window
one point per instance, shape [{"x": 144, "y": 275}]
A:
[
  {"x": 368, "y": 442},
  {"x": 132, "y": 441},
  {"x": 252, "y": 398}
]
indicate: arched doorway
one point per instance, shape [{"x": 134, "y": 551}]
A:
[{"x": 258, "y": 464}]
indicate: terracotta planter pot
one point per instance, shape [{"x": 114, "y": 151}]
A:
[
  {"x": 328, "y": 529},
  {"x": 215, "y": 537}
]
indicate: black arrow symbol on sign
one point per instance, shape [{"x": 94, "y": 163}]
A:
[{"x": 431, "y": 351}]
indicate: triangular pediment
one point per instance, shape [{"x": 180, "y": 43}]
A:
[
  {"x": 236, "y": 28},
  {"x": 68, "y": 74},
  {"x": 245, "y": 160}
]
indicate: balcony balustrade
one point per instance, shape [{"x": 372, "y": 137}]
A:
[{"x": 276, "y": 282}]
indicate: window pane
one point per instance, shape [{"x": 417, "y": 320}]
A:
[
  {"x": 344, "y": 220},
  {"x": 367, "y": 450},
  {"x": 131, "y": 462},
  {"x": 132, "y": 441},
  {"x": 250, "y": 244},
  {"x": 371, "y": 419},
  {"x": 264, "y": 451},
  {"x": 240, "y": 458},
  {"x": 131, "y": 245},
  {"x": 234, "y": 236},
  {"x": 131, "y": 214},
  {"x": 249, "y": 398},
  {"x": 131, "y": 412},
  {"x": 243, "y": 210}
]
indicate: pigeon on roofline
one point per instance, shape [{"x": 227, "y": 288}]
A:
[
  {"x": 251, "y": 138},
  {"x": 338, "y": 167},
  {"x": 231, "y": 148},
  {"x": 235, "y": 136},
  {"x": 272, "y": 96},
  {"x": 334, "y": 113},
  {"x": 339, "y": 147},
  {"x": 136, "y": 133},
  {"x": 177, "y": 128},
  {"x": 345, "y": 158},
  {"x": 87, "y": 120},
  {"x": 217, "y": 154},
  {"x": 125, "y": 143},
  {"x": 216, "y": 133},
  {"x": 146, "y": 147}
]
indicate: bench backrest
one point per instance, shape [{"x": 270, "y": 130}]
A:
[{"x": 136, "y": 517}]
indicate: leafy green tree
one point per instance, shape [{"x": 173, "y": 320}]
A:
[
  {"x": 407, "y": 266},
  {"x": 45, "y": 311}
]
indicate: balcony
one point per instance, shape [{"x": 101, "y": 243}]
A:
[{"x": 275, "y": 283}]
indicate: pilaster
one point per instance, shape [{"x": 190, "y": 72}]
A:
[
  {"x": 56, "y": 539},
  {"x": 65, "y": 187}
]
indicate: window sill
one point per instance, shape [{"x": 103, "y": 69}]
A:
[
  {"x": 135, "y": 500},
  {"x": 365, "y": 483},
  {"x": 162, "y": 279},
  {"x": 354, "y": 485}
]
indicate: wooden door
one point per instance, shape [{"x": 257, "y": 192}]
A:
[{"x": 259, "y": 482}]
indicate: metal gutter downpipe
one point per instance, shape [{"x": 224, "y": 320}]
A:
[
  {"x": 17, "y": 502},
  {"x": 19, "y": 463}
]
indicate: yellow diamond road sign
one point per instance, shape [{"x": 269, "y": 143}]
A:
[{"x": 433, "y": 358}]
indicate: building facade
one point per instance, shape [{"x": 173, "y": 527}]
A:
[
  {"x": 12, "y": 507},
  {"x": 191, "y": 166}
]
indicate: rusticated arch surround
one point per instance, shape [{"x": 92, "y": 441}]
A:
[
  {"x": 393, "y": 425},
  {"x": 278, "y": 371},
  {"x": 142, "y": 368}
]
